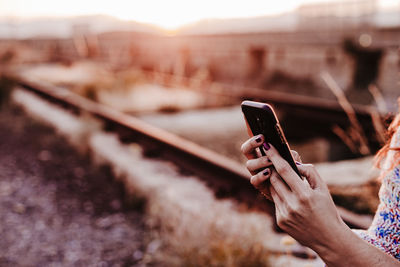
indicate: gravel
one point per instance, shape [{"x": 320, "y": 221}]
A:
[{"x": 57, "y": 209}]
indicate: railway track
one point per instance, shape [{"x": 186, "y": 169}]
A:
[{"x": 227, "y": 178}]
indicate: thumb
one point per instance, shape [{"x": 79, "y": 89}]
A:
[{"x": 312, "y": 176}]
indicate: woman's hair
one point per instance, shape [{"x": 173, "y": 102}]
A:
[{"x": 382, "y": 153}]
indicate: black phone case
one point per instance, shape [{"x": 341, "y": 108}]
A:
[{"x": 261, "y": 119}]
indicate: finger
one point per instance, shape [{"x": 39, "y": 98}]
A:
[
  {"x": 260, "y": 181},
  {"x": 295, "y": 155},
  {"x": 312, "y": 176},
  {"x": 275, "y": 197},
  {"x": 264, "y": 189},
  {"x": 249, "y": 147},
  {"x": 284, "y": 169},
  {"x": 255, "y": 165},
  {"x": 259, "y": 178},
  {"x": 279, "y": 186}
]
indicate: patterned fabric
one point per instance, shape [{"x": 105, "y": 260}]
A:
[{"x": 384, "y": 231}]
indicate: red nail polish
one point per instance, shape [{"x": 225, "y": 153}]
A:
[
  {"x": 258, "y": 140},
  {"x": 267, "y": 146},
  {"x": 266, "y": 172}
]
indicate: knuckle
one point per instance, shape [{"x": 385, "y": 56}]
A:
[
  {"x": 243, "y": 148},
  {"x": 292, "y": 211},
  {"x": 311, "y": 169},
  {"x": 304, "y": 198},
  {"x": 256, "y": 180},
  {"x": 282, "y": 221},
  {"x": 265, "y": 160},
  {"x": 248, "y": 164},
  {"x": 253, "y": 180},
  {"x": 283, "y": 169},
  {"x": 273, "y": 179},
  {"x": 309, "y": 166}
]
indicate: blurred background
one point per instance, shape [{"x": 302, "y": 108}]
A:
[
  {"x": 194, "y": 60},
  {"x": 185, "y": 66},
  {"x": 177, "y": 57}
]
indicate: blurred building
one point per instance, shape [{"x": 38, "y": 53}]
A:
[
  {"x": 343, "y": 8},
  {"x": 338, "y": 14}
]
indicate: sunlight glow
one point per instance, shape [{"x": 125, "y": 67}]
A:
[{"x": 168, "y": 14}]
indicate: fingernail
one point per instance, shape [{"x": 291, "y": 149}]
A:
[
  {"x": 266, "y": 172},
  {"x": 267, "y": 146},
  {"x": 259, "y": 138},
  {"x": 298, "y": 163}
]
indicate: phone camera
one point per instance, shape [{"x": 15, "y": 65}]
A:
[{"x": 259, "y": 124}]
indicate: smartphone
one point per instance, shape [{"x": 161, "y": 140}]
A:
[{"x": 261, "y": 119}]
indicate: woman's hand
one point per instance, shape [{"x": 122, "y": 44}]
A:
[
  {"x": 260, "y": 166},
  {"x": 304, "y": 208}
]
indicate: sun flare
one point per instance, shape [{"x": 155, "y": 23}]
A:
[{"x": 169, "y": 14}]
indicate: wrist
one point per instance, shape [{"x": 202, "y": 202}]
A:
[{"x": 333, "y": 247}]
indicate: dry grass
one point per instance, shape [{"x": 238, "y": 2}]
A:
[
  {"x": 354, "y": 137},
  {"x": 346, "y": 138},
  {"x": 355, "y": 134},
  {"x": 380, "y": 129},
  {"x": 378, "y": 97}
]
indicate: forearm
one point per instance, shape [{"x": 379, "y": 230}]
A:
[{"x": 347, "y": 249}]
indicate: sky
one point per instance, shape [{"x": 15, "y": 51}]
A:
[{"x": 169, "y": 14}]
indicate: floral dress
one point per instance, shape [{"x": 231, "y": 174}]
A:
[{"x": 384, "y": 231}]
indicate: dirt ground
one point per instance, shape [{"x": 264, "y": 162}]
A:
[{"x": 57, "y": 209}]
